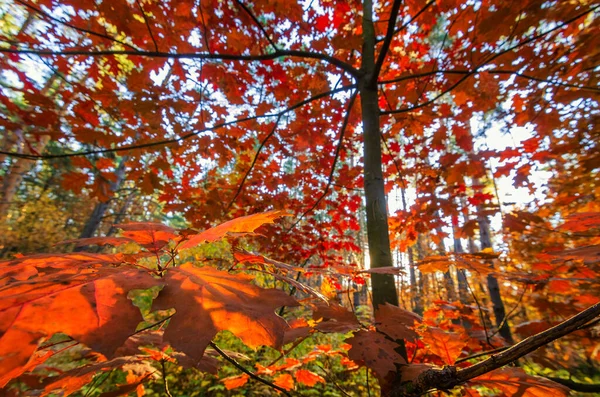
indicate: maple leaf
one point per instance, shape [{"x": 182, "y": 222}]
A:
[
  {"x": 308, "y": 378},
  {"x": 71, "y": 381},
  {"x": 396, "y": 322},
  {"x": 86, "y": 305},
  {"x": 153, "y": 236},
  {"x": 375, "y": 351},
  {"x": 243, "y": 225},
  {"x": 207, "y": 301},
  {"x": 233, "y": 382},
  {"x": 335, "y": 318},
  {"x": 582, "y": 221},
  {"x": 285, "y": 381},
  {"x": 514, "y": 381},
  {"x": 446, "y": 345}
]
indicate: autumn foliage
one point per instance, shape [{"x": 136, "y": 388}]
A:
[{"x": 399, "y": 195}]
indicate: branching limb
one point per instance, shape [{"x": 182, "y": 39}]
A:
[
  {"x": 262, "y": 144},
  {"x": 247, "y": 372},
  {"x": 490, "y": 59},
  {"x": 386, "y": 42},
  {"x": 257, "y": 22},
  {"x": 577, "y": 386},
  {"x": 182, "y": 138},
  {"x": 190, "y": 55},
  {"x": 450, "y": 376},
  {"x": 64, "y": 23}
]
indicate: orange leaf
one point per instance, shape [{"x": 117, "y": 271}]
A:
[
  {"x": 514, "y": 381},
  {"x": 89, "y": 304},
  {"x": 152, "y": 236},
  {"x": 396, "y": 322},
  {"x": 208, "y": 301},
  {"x": 375, "y": 351},
  {"x": 308, "y": 378},
  {"x": 447, "y": 345},
  {"x": 285, "y": 381},
  {"x": 244, "y": 225},
  {"x": 335, "y": 318},
  {"x": 582, "y": 221},
  {"x": 233, "y": 382}
]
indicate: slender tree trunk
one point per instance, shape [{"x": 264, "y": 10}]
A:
[
  {"x": 384, "y": 286},
  {"x": 463, "y": 286},
  {"x": 492, "y": 282},
  {"x": 415, "y": 291},
  {"x": 95, "y": 218}
]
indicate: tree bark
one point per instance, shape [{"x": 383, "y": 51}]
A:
[
  {"x": 383, "y": 285},
  {"x": 492, "y": 282},
  {"x": 100, "y": 208}
]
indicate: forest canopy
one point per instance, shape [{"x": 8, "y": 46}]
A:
[{"x": 233, "y": 197}]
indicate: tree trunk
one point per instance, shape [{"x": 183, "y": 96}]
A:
[
  {"x": 463, "y": 286},
  {"x": 95, "y": 218},
  {"x": 384, "y": 287},
  {"x": 492, "y": 282}
]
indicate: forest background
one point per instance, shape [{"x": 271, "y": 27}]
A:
[{"x": 238, "y": 198}]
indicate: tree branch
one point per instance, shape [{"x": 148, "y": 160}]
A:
[
  {"x": 256, "y": 21},
  {"x": 191, "y": 55},
  {"x": 450, "y": 376},
  {"x": 490, "y": 59},
  {"x": 401, "y": 28},
  {"x": 262, "y": 144},
  {"x": 493, "y": 71},
  {"x": 386, "y": 42},
  {"x": 83, "y": 30},
  {"x": 183, "y": 137},
  {"x": 576, "y": 386},
  {"x": 147, "y": 24},
  {"x": 335, "y": 159},
  {"x": 247, "y": 372}
]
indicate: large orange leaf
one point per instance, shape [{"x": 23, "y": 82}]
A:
[
  {"x": 285, "y": 381},
  {"x": 233, "y": 382},
  {"x": 582, "y": 221},
  {"x": 447, "y": 345},
  {"x": 71, "y": 381},
  {"x": 515, "y": 382},
  {"x": 308, "y": 378},
  {"x": 244, "y": 225},
  {"x": 89, "y": 304},
  {"x": 209, "y": 300},
  {"x": 396, "y": 322},
  {"x": 375, "y": 351}
]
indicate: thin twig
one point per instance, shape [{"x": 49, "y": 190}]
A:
[
  {"x": 164, "y": 378},
  {"x": 247, "y": 372},
  {"x": 333, "y": 166}
]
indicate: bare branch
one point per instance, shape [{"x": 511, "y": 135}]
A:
[
  {"x": 262, "y": 144},
  {"x": 183, "y": 137},
  {"x": 492, "y": 71},
  {"x": 401, "y": 28},
  {"x": 490, "y": 59},
  {"x": 191, "y": 55},
  {"x": 147, "y": 24},
  {"x": 247, "y": 372}
]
